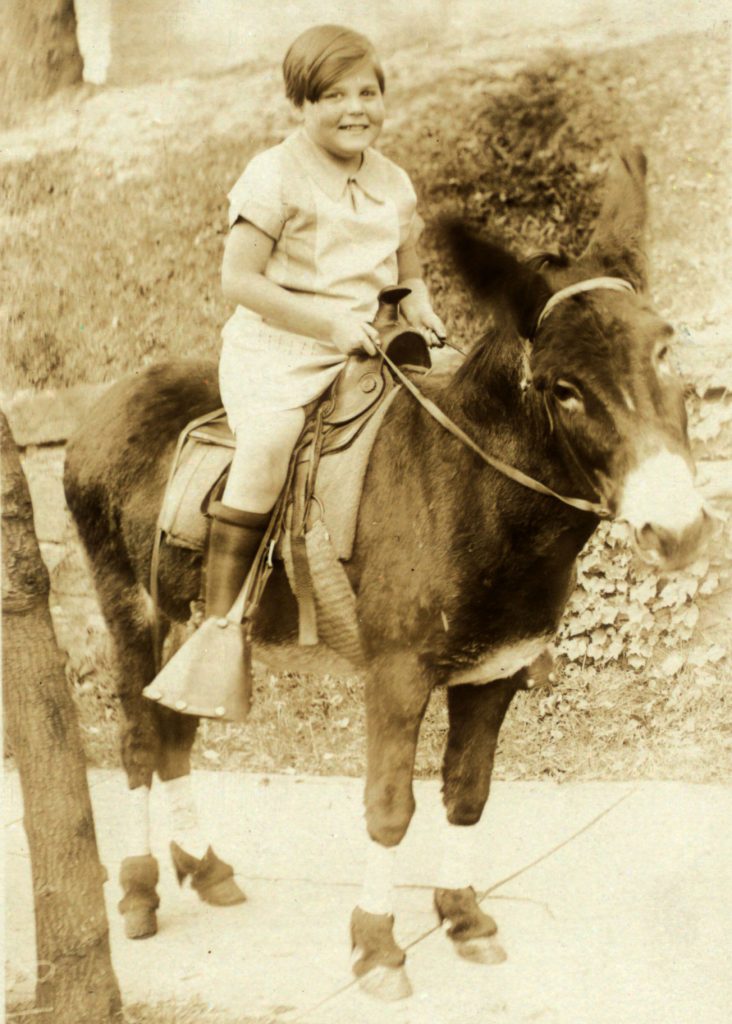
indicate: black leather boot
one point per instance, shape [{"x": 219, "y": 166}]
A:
[{"x": 234, "y": 540}]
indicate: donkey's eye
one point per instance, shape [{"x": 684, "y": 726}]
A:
[{"x": 567, "y": 394}]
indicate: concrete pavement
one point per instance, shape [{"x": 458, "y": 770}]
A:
[{"x": 614, "y": 904}]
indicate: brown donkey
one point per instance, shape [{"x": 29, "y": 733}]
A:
[{"x": 461, "y": 574}]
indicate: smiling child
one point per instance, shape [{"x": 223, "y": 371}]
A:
[{"x": 319, "y": 225}]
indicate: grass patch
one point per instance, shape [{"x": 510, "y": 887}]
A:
[
  {"x": 129, "y": 277},
  {"x": 193, "y": 1012}
]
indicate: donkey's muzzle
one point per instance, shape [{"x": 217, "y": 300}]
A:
[{"x": 664, "y": 508}]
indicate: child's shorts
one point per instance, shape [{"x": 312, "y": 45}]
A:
[{"x": 264, "y": 370}]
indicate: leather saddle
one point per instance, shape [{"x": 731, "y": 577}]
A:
[
  {"x": 357, "y": 390},
  {"x": 205, "y": 446}
]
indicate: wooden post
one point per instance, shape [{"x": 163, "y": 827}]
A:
[{"x": 76, "y": 983}]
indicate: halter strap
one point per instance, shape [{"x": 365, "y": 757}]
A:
[{"x": 615, "y": 284}]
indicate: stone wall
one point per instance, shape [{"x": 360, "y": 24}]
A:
[{"x": 41, "y": 422}]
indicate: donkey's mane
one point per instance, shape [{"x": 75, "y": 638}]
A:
[{"x": 491, "y": 372}]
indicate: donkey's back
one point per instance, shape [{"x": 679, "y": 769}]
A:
[{"x": 117, "y": 465}]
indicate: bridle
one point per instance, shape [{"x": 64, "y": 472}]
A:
[
  {"x": 593, "y": 507},
  {"x": 613, "y": 284}
]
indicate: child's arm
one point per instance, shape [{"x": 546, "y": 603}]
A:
[
  {"x": 416, "y": 308},
  {"x": 246, "y": 254}
]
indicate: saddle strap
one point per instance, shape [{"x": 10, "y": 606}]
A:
[{"x": 302, "y": 579}]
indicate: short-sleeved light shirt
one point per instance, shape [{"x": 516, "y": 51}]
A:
[{"x": 336, "y": 233}]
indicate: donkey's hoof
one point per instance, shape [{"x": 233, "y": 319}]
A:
[
  {"x": 212, "y": 878},
  {"x": 389, "y": 984},
  {"x": 222, "y": 894},
  {"x": 482, "y": 950},
  {"x": 471, "y": 931},
  {"x": 138, "y": 877},
  {"x": 140, "y": 923},
  {"x": 377, "y": 960}
]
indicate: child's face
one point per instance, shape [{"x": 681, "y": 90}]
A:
[{"x": 348, "y": 117}]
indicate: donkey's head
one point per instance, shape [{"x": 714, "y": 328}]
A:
[{"x": 597, "y": 357}]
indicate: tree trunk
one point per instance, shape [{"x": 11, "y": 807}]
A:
[
  {"x": 76, "y": 981},
  {"x": 39, "y": 52}
]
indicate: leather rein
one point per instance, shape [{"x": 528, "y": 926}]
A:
[{"x": 593, "y": 507}]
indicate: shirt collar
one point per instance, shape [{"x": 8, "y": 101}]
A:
[{"x": 331, "y": 178}]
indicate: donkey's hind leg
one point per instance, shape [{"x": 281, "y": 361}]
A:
[
  {"x": 211, "y": 877},
  {"x": 126, "y": 609},
  {"x": 475, "y": 717}
]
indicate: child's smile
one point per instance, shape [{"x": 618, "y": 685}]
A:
[{"x": 347, "y": 118}]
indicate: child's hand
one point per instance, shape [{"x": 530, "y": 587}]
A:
[
  {"x": 352, "y": 334},
  {"x": 419, "y": 314}
]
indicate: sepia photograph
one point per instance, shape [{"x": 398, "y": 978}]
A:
[{"x": 366, "y": 412}]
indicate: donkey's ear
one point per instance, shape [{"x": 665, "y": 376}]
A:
[
  {"x": 496, "y": 276},
  {"x": 617, "y": 243}
]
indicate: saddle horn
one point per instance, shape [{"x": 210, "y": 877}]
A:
[
  {"x": 405, "y": 345},
  {"x": 388, "y": 311}
]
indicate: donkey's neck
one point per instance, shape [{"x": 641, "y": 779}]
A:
[{"x": 490, "y": 396}]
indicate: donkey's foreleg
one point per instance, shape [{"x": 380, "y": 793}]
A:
[
  {"x": 475, "y": 717},
  {"x": 210, "y": 876},
  {"x": 397, "y": 693}
]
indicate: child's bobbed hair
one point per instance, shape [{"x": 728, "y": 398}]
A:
[{"x": 322, "y": 55}]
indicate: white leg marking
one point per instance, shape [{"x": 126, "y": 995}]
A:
[
  {"x": 138, "y": 840},
  {"x": 502, "y": 662},
  {"x": 457, "y": 868},
  {"x": 184, "y": 826},
  {"x": 660, "y": 492},
  {"x": 377, "y": 893}
]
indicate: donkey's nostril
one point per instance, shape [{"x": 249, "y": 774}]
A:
[
  {"x": 659, "y": 545},
  {"x": 647, "y": 536},
  {"x": 654, "y": 542}
]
